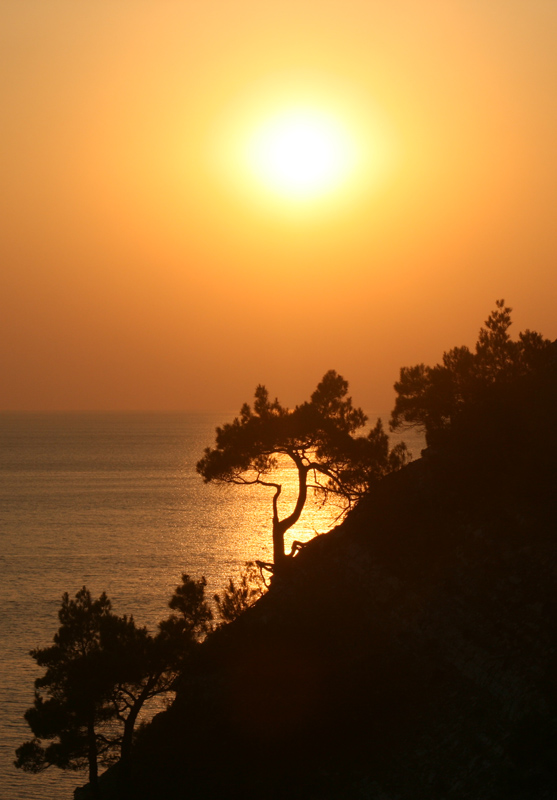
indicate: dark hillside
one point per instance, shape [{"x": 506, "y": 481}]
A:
[
  {"x": 412, "y": 651},
  {"x": 409, "y": 653}
]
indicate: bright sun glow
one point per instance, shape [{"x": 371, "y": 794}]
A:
[
  {"x": 301, "y": 154},
  {"x": 299, "y": 151}
]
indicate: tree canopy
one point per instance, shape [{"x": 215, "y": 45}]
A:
[
  {"x": 72, "y": 698},
  {"x": 492, "y": 398},
  {"x": 100, "y": 671},
  {"x": 318, "y": 439}
]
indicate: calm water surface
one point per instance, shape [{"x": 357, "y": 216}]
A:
[{"x": 111, "y": 501}]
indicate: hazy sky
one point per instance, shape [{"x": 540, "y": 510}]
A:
[{"x": 143, "y": 266}]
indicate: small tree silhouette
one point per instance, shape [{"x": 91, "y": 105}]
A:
[
  {"x": 239, "y": 595},
  {"x": 316, "y": 436},
  {"x": 100, "y": 672}
]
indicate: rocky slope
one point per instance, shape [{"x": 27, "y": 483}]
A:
[{"x": 410, "y": 653}]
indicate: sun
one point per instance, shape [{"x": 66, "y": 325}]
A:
[
  {"x": 295, "y": 150},
  {"x": 301, "y": 154}
]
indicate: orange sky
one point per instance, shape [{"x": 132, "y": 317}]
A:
[{"x": 142, "y": 270}]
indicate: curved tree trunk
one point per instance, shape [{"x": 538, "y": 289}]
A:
[
  {"x": 127, "y": 738},
  {"x": 280, "y": 526},
  {"x": 126, "y": 749},
  {"x": 279, "y": 556}
]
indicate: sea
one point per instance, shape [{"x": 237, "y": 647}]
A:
[{"x": 112, "y": 501}]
